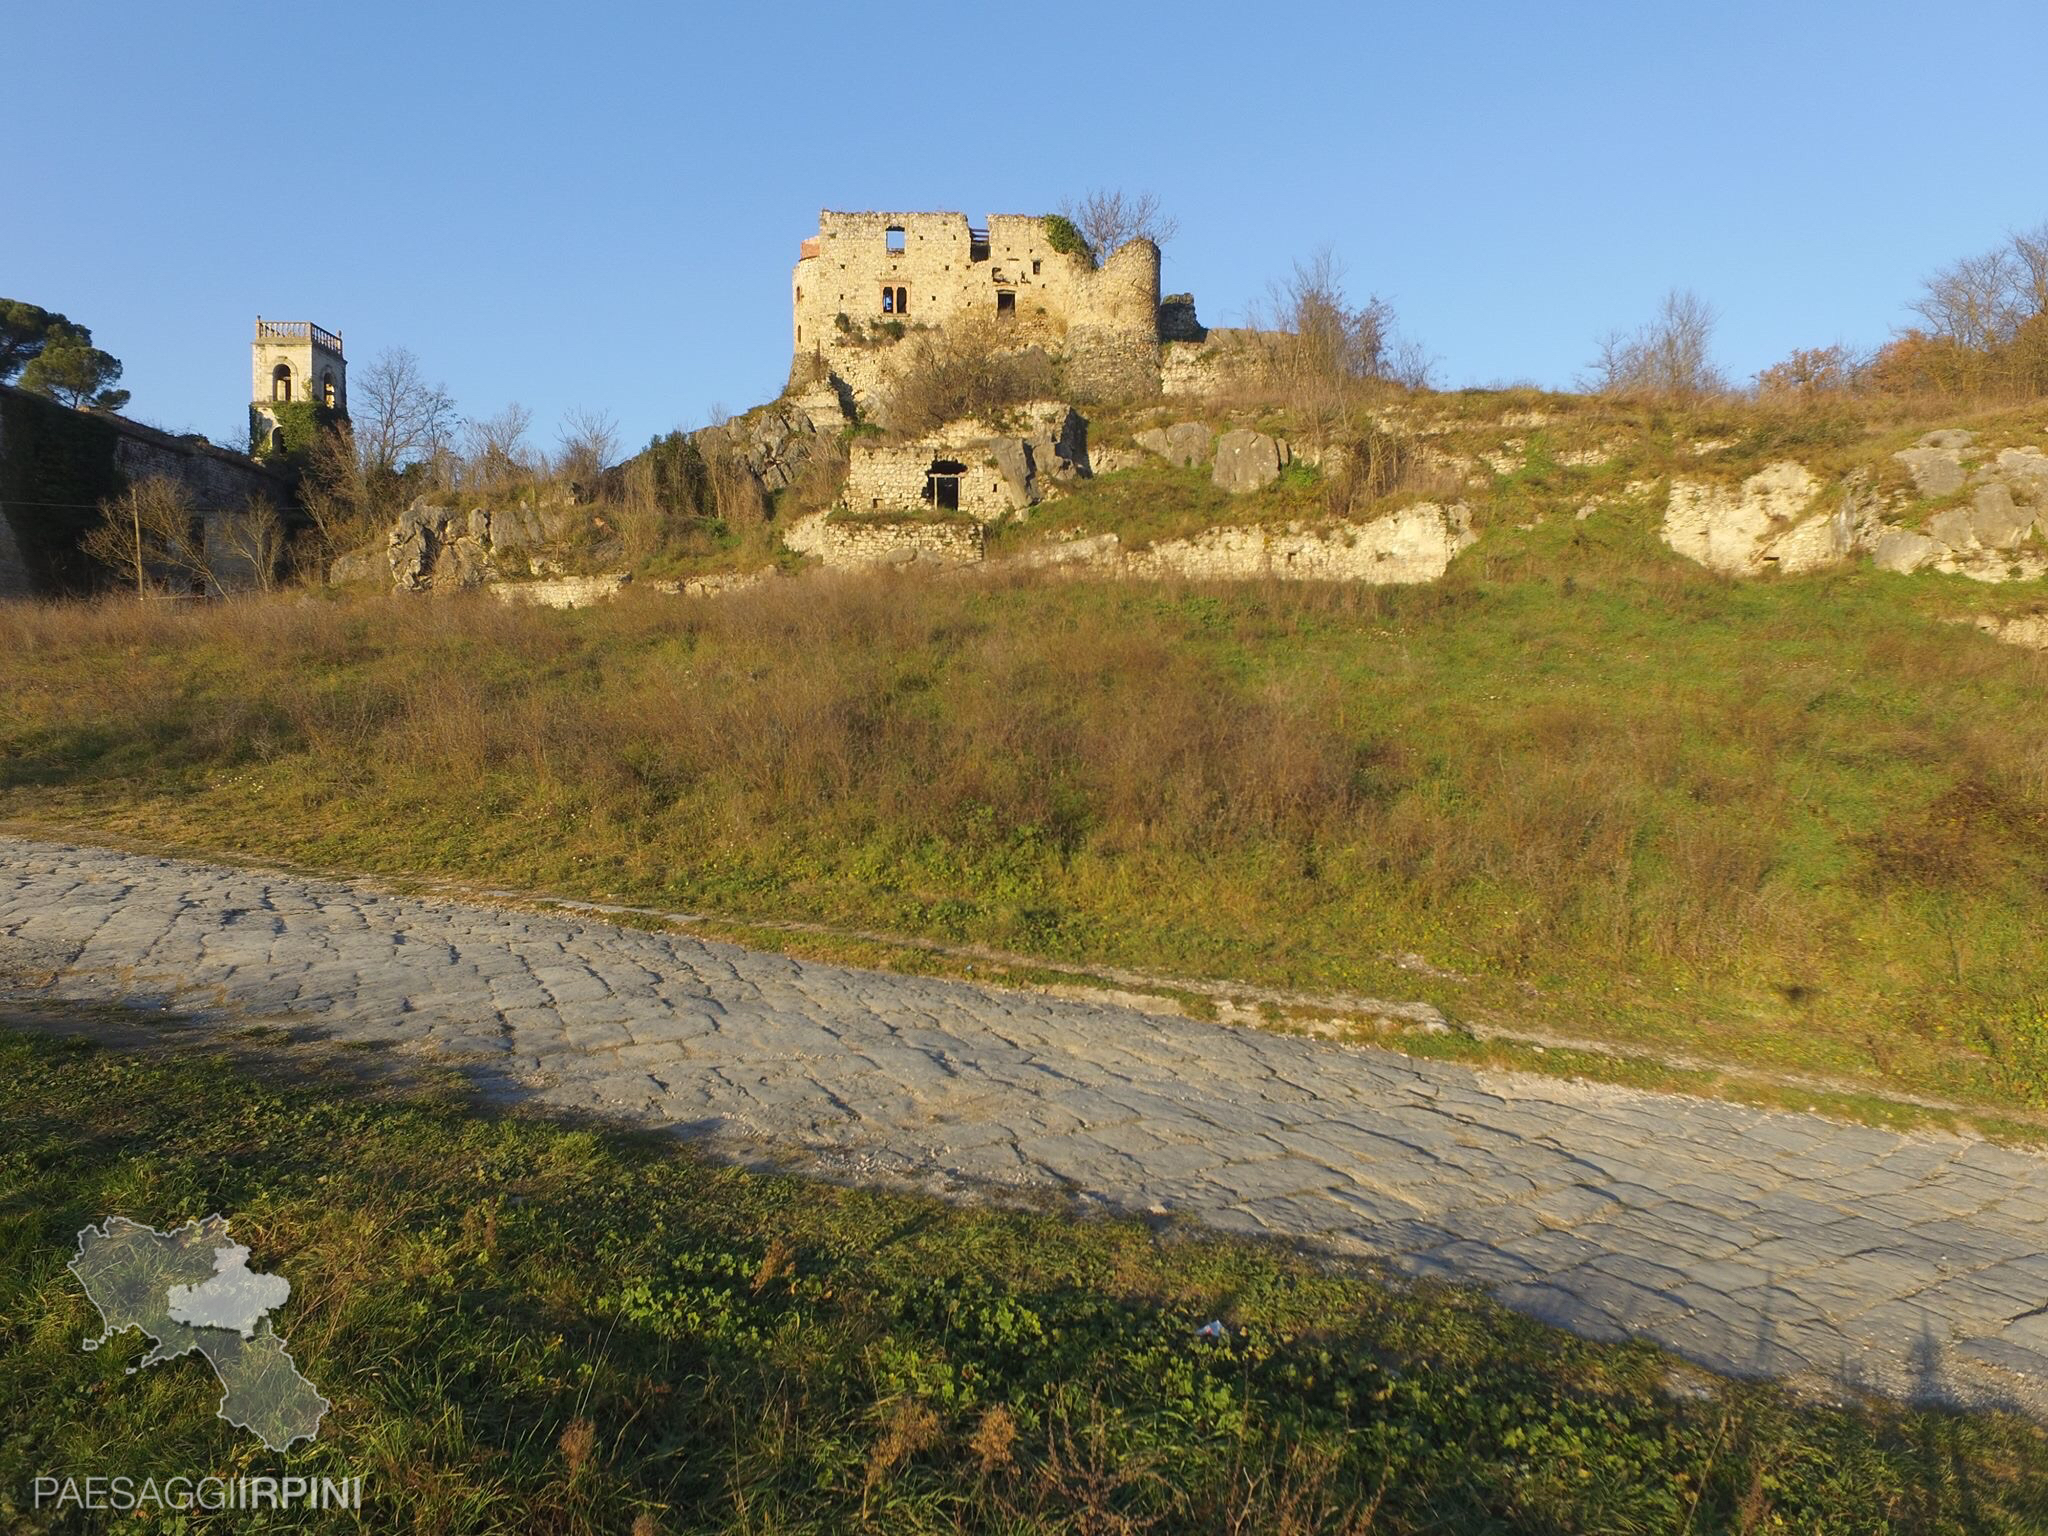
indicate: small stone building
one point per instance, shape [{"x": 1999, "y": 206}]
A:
[{"x": 966, "y": 467}]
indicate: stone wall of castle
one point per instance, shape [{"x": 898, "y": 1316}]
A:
[
  {"x": 56, "y": 463},
  {"x": 1220, "y": 361},
  {"x": 863, "y": 275}
]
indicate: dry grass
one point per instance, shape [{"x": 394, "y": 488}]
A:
[{"x": 1653, "y": 802}]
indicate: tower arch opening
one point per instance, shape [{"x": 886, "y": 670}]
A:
[{"x": 281, "y": 382}]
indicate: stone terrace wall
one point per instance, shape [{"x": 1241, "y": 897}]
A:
[{"x": 845, "y": 544}]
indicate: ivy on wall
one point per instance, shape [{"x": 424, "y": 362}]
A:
[
  {"x": 301, "y": 422},
  {"x": 1063, "y": 236}
]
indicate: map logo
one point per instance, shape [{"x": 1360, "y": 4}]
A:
[{"x": 191, "y": 1291}]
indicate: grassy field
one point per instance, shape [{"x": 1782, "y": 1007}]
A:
[
  {"x": 1797, "y": 826},
  {"x": 532, "y": 1326}
]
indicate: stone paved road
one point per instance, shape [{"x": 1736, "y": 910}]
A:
[{"x": 1754, "y": 1243}]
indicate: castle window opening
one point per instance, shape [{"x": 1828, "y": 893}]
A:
[
  {"x": 895, "y": 239},
  {"x": 327, "y": 388},
  {"x": 1034, "y": 267},
  {"x": 888, "y": 300},
  {"x": 942, "y": 484},
  {"x": 902, "y": 301},
  {"x": 277, "y": 439},
  {"x": 281, "y": 382},
  {"x": 1006, "y": 302}
]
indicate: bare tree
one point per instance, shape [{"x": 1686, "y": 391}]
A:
[
  {"x": 397, "y": 417},
  {"x": 2030, "y": 251},
  {"x": 1980, "y": 301},
  {"x": 1110, "y": 220},
  {"x": 1322, "y": 349},
  {"x": 254, "y": 535},
  {"x": 150, "y": 537},
  {"x": 590, "y": 446},
  {"x": 495, "y": 451},
  {"x": 1668, "y": 358}
]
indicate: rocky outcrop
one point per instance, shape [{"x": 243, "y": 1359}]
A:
[
  {"x": 1936, "y": 463},
  {"x": 2028, "y": 630},
  {"x": 448, "y": 549},
  {"x": 774, "y": 442},
  {"x": 1185, "y": 444},
  {"x": 1757, "y": 526},
  {"x": 1773, "y": 520},
  {"x": 1247, "y": 461},
  {"x": 1901, "y": 550},
  {"x": 1992, "y": 520},
  {"x": 1415, "y": 544}
]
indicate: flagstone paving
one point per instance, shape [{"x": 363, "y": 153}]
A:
[{"x": 1755, "y": 1243}]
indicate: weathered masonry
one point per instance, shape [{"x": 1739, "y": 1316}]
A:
[
  {"x": 866, "y": 281},
  {"x": 292, "y": 360}
]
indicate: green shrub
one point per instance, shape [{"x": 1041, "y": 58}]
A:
[{"x": 1064, "y": 237}]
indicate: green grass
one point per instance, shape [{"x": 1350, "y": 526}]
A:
[
  {"x": 1790, "y": 826},
  {"x": 531, "y": 1326}
]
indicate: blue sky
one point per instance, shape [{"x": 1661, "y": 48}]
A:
[{"x": 599, "y": 205}]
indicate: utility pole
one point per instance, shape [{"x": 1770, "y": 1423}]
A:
[{"x": 135, "y": 514}]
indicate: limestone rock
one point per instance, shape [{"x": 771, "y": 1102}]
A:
[
  {"x": 363, "y": 564},
  {"x": 772, "y": 442},
  {"x": 559, "y": 520},
  {"x": 1947, "y": 437},
  {"x": 1936, "y": 471},
  {"x": 1184, "y": 444},
  {"x": 1990, "y": 521},
  {"x": 412, "y": 546},
  {"x": 1246, "y": 461},
  {"x": 1904, "y": 551},
  {"x": 2026, "y": 471},
  {"x": 1415, "y": 544},
  {"x": 1015, "y": 463},
  {"x": 1059, "y": 449},
  {"x": 1754, "y": 527},
  {"x": 464, "y": 565},
  {"x": 2028, "y": 630},
  {"x": 515, "y": 528}
]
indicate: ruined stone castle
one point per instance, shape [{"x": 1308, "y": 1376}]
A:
[{"x": 866, "y": 282}]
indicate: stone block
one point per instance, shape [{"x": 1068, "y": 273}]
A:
[
  {"x": 1902, "y": 550},
  {"x": 1246, "y": 461},
  {"x": 1935, "y": 471}
]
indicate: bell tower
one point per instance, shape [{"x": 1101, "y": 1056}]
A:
[{"x": 292, "y": 360}]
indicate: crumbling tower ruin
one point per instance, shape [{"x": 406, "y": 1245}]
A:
[{"x": 867, "y": 281}]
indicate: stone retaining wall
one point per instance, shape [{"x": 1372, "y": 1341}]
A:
[{"x": 848, "y": 544}]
